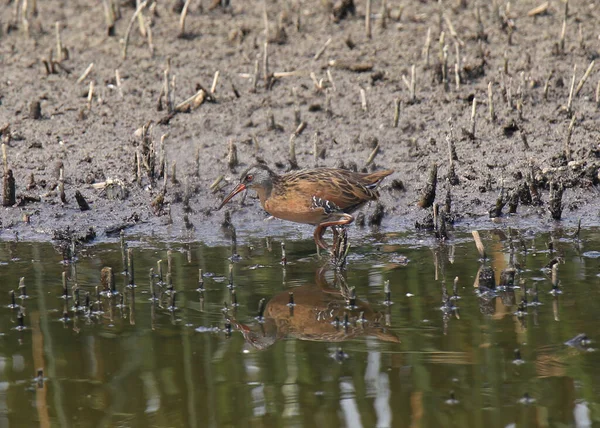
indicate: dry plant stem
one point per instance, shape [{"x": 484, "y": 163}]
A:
[
  {"x": 539, "y": 9},
  {"x": 137, "y": 12},
  {"x": 568, "y": 139},
  {"x": 572, "y": 87},
  {"x": 213, "y": 87},
  {"x": 330, "y": 78},
  {"x": 457, "y": 66},
  {"x": 368, "y": 19},
  {"x": 372, "y": 155},
  {"x": 110, "y": 18},
  {"x": 363, "y": 99},
  {"x": 59, "y": 46},
  {"x": 584, "y": 78},
  {"x": 428, "y": 196},
  {"x": 479, "y": 244},
  {"x": 397, "y": 107},
  {"x": 427, "y": 47},
  {"x": 85, "y": 73},
  {"x": 491, "y": 103},
  {"x": 473, "y": 113},
  {"x": 184, "y": 12},
  {"x": 4, "y": 158},
  {"x": 547, "y": 84},
  {"x": 118, "y": 81},
  {"x": 90, "y": 96},
  {"x": 140, "y": 19},
  {"x": 292, "y": 152},
  {"x": 598, "y": 94},
  {"x": 266, "y": 63},
  {"x": 322, "y": 50},
  {"x": 149, "y": 35},
  {"x": 383, "y": 14},
  {"x": 561, "y": 42}
]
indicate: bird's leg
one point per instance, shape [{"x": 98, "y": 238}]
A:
[
  {"x": 342, "y": 219},
  {"x": 318, "y": 235}
]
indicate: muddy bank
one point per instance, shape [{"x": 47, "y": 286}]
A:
[{"x": 348, "y": 99}]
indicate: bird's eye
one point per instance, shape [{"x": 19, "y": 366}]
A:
[{"x": 249, "y": 177}]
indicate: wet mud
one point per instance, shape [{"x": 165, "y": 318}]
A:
[{"x": 501, "y": 98}]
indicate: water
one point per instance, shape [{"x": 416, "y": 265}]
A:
[{"x": 421, "y": 360}]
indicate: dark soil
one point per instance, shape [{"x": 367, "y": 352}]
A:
[{"x": 518, "y": 154}]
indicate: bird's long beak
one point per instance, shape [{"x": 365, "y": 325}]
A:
[{"x": 240, "y": 187}]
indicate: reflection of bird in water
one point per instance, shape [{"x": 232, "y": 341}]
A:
[
  {"x": 324, "y": 197},
  {"x": 314, "y": 316}
]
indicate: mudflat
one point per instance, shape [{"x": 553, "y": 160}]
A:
[{"x": 502, "y": 98}]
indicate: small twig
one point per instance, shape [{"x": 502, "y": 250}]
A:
[
  {"x": 479, "y": 244},
  {"x": 372, "y": 155},
  {"x": 213, "y": 87},
  {"x": 184, "y": 12},
  {"x": 427, "y": 47},
  {"x": 125, "y": 40},
  {"x": 363, "y": 99},
  {"x": 118, "y": 81},
  {"x": 547, "y": 84},
  {"x": 368, "y": 19},
  {"x": 59, "y": 46},
  {"x": 141, "y": 23},
  {"x": 322, "y": 50},
  {"x": 85, "y": 73},
  {"x": 584, "y": 78},
  {"x": 397, "y": 107},
  {"x": 570, "y": 100},
  {"x": 473, "y": 113},
  {"x": 568, "y": 139},
  {"x": 491, "y": 103},
  {"x": 90, "y": 96}
]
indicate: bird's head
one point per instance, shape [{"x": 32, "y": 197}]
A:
[{"x": 257, "y": 177}]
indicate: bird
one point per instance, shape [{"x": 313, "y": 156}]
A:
[{"x": 323, "y": 197}]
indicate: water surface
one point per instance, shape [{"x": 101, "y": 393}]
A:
[{"x": 341, "y": 355}]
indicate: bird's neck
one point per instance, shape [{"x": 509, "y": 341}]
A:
[{"x": 264, "y": 192}]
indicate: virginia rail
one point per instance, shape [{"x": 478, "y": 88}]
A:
[{"x": 322, "y": 196}]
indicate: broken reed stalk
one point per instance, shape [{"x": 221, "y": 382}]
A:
[
  {"x": 118, "y": 81},
  {"x": 473, "y": 113},
  {"x": 397, "y": 107},
  {"x": 561, "y": 41},
  {"x": 292, "y": 152},
  {"x": 572, "y": 87},
  {"x": 90, "y": 97},
  {"x": 213, "y": 87},
  {"x": 547, "y": 84},
  {"x": 184, "y": 12},
  {"x": 479, "y": 244},
  {"x": 372, "y": 155},
  {"x": 383, "y": 22},
  {"x": 125, "y": 40},
  {"x": 363, "y": 100},
  {"x": 59, "y": 46},
  {"x": 86, "y": 73},
  {"x": 8, "y": 183},
  {"x": 428, "y": 195},
  {"x": 368, "y": 19},
  {"x": 568, "y": 139},
  {"x": 585, "y": 77},
  {"x": 555, "y": 202},
  {"x": 457, "y": 66},
  {"x": 322, "y": 49},
  {"x": 491, "y": 103},
  {"x": 427, "y": 47},
  {"x": 232, "y": 157}
]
